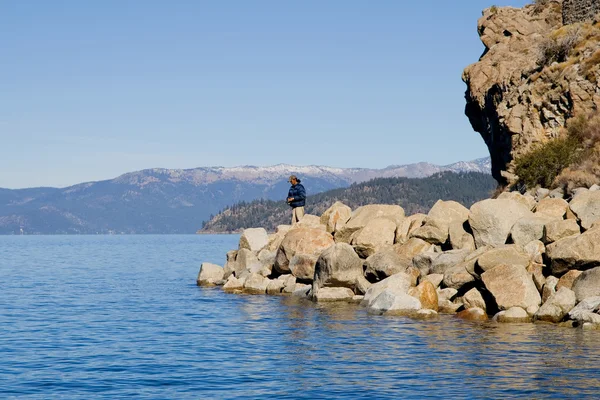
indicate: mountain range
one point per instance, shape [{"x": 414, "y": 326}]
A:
[{"x": 175, "y": 200}]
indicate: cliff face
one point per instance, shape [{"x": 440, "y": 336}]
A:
[{"x": 534, "y": 74}]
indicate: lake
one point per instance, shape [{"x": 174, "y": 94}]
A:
[{"x": 121, "y": 316}]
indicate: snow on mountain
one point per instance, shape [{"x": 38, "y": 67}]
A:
[{"x": 272, "y": 174}]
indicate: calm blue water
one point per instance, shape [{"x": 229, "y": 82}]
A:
[{"x": 121, "y": 316}]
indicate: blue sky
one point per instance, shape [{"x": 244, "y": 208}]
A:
[{"x": 94, "y": 89}]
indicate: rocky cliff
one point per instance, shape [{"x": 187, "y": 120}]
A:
[{"x": 540, "y": 67}]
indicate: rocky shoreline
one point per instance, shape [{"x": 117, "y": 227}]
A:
[{"x": 516, "y": 258}]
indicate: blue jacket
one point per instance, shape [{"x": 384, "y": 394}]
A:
[{"x": 298, "y": 192}]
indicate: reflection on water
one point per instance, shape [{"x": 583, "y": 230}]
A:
[{"x": 109, "y": 317}]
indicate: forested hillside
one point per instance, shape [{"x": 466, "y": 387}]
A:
[{"x": 413, "y": 194}]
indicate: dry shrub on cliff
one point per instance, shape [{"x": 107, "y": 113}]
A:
[
  {"x": 546, "y": 161},
  {"x": 570, "y": 161},
  {"x": 559, "y": 45}
]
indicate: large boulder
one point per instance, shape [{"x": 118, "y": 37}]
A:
[
  {"x": 385, "y": 263},
  {"x": 254, "y": 239},
  {"x": 585, "y": 311},
  {"x": 256, "y": 284},
  {"x": 246, "y": 260},
  {"x": 491, "y": 220},
  {"x": 528, "y": 229},
  {"x": 473, "y": 298},
  {"x": 513, "y": 315},
  {"x": 438, "y": 221},
  {"x": 525, "y": 199},
  {"x": 575, "y": 252},
  {"x": 560, "y": 229},
  {"x": 332, "y": 294},
  {"x": 309, "y": 221},
  {"x": 459, "y": 238},
  {"x": 473, "y": 314},
  {"x": 209, "y": 274},
  {"x": 276, "y": 238},
  {"x": 233, "y": 284},
  {"x": 456, "y": 277},
  {"x": 424, "y": 261},
  {"x": 412, "y": 247},
  {"x": 433, "y": 231},
  {"x": 302, "y": 266},
  {"x": 337, "y": 266},
  {"x": 511, "y": 286},
  {"x": 426, "y": 294},
  {"x": 309, "y": 241},
  {"x": 393, "y": 302},
  {"x": 336, "y": 216},
  {"x": 376, "y": 235},
  {"x": 229, "y": 267},
  {"x": 557, "y": 306},
  {"x": 507, "y": 254},
  {"x": 409, "y": 225},
  {"x": 586, "y": 206},
  {"x": 447, "y": 260},
  {"x": 399, "y": 282},
  {"x": 568, "y": 279},
  {"x": 363, "y": 215},
  {"x": 587, "y": 284},
  {"x": 553, "y": 208},
  {"x": 275, "y": 286}
]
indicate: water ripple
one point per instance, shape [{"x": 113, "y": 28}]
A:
[{"x": 112, "y": 317}]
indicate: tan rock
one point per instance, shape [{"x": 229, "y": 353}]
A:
[
  {"x": 507, "y": 254},
  {"x": 459, "y": 238},
  {"x": 426, "y": 294},
  {"x": 385, "y": 263},
  {"x": 233, "y": 284},
  {"x": 560, "y": 229},
  {"x": 586, "y": 206},
  {"x": 336, "y": 216},
  {"x": 457, "y": 277},
  {"x": 254, "y": 239},
  {"x": 567, "y": 279},
  {"x": 473, "y": 314},
  {"x": 400, "y": 283},
  {"x": 209, "y": 274},
  {"x": 337, "y": 266},
  {"x": 412, "y": 247},
  {"x": 528, "y": 229},
  {"x": 474, "y": 299},
  {"x": 363, "y": 215},
  {"x": 557, "y": 306},
  {"x": 256, "y": 284},
  {"x": 377, "y": 234},
  {"x": 587, "y": 284},
  {"x": 435, "y": 279},
  {"x": 511, "y": 286},
  {"x": 302, "y": 266},
  {"x": 309, "y": 241},
  {"x": 575, "y": 252},
  {"x": 407, "y": 226},
  {"x": 275, "y": 286},
  {"x": 491, "y": 220},
  {"x": 333, "y": 294},
  {"x": 526, "y": 200},
  {"x": 553, "y": 208},
  {"x": 394, "y": 302},
  {"x": 513, "y": 315}
]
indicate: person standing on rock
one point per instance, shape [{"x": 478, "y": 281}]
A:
[{"x": 296, "y": 199}]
